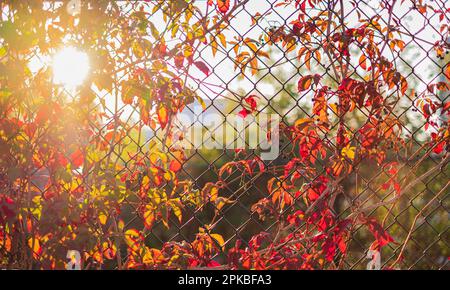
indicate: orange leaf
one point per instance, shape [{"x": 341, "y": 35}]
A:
[
  {"x": 77, "y": 158},
  {"x": 223, "y": 5},
  {"x": 304, "y": 83},
  {"x": 163, "y": 117},
  {"x": 149, "y": 219}
]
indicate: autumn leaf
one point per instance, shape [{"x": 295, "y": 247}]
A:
[
  {"x": 302, "y": 123},
  {"x": 251, "y": 101},
  {"x": 301, "y": 5},
  {"x": 320, "y": 105},
  {"x": 132, "y": 238},
  {"x": 151, "y": 256},
  {"x": 109, "y": 250},
  {"x": 219, "y": 239},
  {"x": 163, "y": 117},
  {"x": 102, "y": 218},
  {"x": 382, "y": 238},
  {"x": 149, "y": 218},
  {"x": 447, "y": 72},
  {"x": 305, "y": 82},
  {"x": 77, "y": 158},
  {"x": 177, "y": 163},
  {"x": 348, "y": 152},
  {"x": 175, "y": 166},
  {"x": 210, "y": 191},
  {"x": 223, "y": 5},
  {"x": 362, "y": 61},
  {"x": 244, "y": 113},
  {"x": 179, "y": 60},
  {"x": 221, "y": 201},
  {"x": 176, "y": 206},
  {"x": 202, "y": 66}
]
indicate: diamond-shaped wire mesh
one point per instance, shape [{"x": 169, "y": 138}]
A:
[{"x": 111, "y": 134}]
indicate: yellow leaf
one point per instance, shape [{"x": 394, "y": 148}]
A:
[
  {"x": 348, "y": 152},
  {"x": 176, "y": 208},
  {"x": 167, "y": 175},
  {"x": 102, "y": 217},
  {"x": 154, "y": 158},
  {"x": 254, "y": 66},
  {"x": 151, "y": 256},
  {"x": 308, "y": 60},
  {"x": 214, "y": 193},
  {"x": 304, "y": 83},
  {"x": 219, "y": 239},
  {"x": 222, "y": 40},
  {"x": 202, "y": 103},
  {"x": 214, "y": 44},
  {"x": 263, "y": 53},
  {"x": 145, "y": 181},
  {"x": 132, "y": 237},
  {"x": 187, "y": 52},
  {"x": 221, "y": 201},
  {"x": 149, "y": 218},
  {"x": 301, "y": 123},
  {"x": 362, "y": 61},
  {"x": 250, "y": 44},
  {"x": 109, "y": 250}
]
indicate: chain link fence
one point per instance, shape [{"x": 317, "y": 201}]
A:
[{"x": 240, "y": 59}]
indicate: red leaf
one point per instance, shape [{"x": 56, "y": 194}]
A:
[
  {"x": 175, "y": 166},
  {"x": 213, "y": 264},
  {"x": 251, "y": 101},
  {"x": 329, "y": 248},
  {"x": 244, "y": 112},
  {"x": 346, "y": 84},
  {"x": 77, "y": 158},
  {"x": 202, "y": 66},
  {"x": 296, "y": 218}
]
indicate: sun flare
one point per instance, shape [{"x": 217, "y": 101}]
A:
[{"x": 70, "y": 67}]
